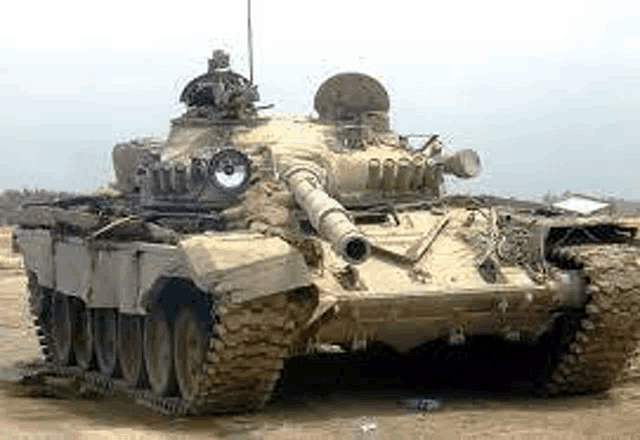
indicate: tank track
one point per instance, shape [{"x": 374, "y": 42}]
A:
[
  {"x": 246, "y": 351},
  {"x": 607, "y": 332},
  {"x": 40, "y": 308}
]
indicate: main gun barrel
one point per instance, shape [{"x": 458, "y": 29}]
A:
[{"x": 329, "y": 217}]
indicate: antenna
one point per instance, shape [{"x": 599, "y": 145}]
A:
[{"x": 250, "y": 41}]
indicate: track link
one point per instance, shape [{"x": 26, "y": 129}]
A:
[{"x": 608, "y": 330}]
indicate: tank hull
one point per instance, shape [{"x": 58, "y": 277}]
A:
[{"x": 389, "y": 298}]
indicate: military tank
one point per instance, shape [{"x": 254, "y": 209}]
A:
[{"x": 243, "y": 238}]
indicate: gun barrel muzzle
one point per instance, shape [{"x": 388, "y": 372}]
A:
[{"x": 329, "y": 218}]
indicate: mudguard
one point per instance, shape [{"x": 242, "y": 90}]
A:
[{"x": 244, "y": 265}]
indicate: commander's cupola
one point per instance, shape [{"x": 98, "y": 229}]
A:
[{"x": 220, "y": 93}]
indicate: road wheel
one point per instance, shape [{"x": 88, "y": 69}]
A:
[
  {"x": 130, "y": 349},
  {"x": 158, "y": 352},
  {"x": 106, "y": 340},
  {"x": 61, "y": 328},
  {"x": 82, "y": 333},
  {"x": 189, "y": 345}
]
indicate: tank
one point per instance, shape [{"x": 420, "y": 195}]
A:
[{"x": 244, "y": 238}]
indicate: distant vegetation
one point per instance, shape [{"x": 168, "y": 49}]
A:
[{"x": 12, "y": 199}]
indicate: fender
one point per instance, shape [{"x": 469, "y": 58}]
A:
[{"x": 244, "y": 265}]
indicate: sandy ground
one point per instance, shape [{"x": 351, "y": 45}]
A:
[{"x": 322, "y": 399}]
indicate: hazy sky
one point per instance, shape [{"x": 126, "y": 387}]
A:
[{"x": 548, "y": 91}]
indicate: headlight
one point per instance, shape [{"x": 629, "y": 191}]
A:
[{"x": 229, "y": 171}]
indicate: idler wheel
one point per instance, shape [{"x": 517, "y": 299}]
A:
[
  {"x": 189, "y": 345},
  {"x": 130, "y": 349},
  {"x": 61, "y": 328},
  {"x": 158, "y": 352},
  {"x": 106, "y": 340},
  {"x": 82, "y": 333}
]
